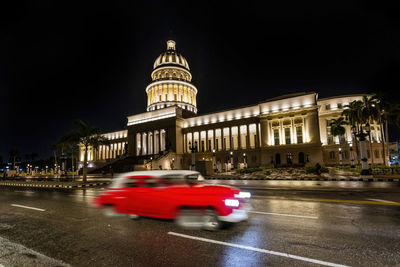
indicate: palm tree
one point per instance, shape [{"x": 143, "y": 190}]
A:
[
  {"x": 370, "y": 115},
  {"x": 337, "y": 129},
  {"x": 55, "y": 148},
  {"x": 13, "y": 153},
  {"x": 387, "y": 113},
  {"x": 353, "y": 114},
  {"x": 87, "y": 136}
]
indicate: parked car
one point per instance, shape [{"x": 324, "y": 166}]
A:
[{"x": 175, "y": 194}]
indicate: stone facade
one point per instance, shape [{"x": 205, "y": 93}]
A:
[{"x": 286, "y": 130}]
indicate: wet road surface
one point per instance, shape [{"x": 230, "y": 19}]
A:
[{"x": 285, "y": 228}]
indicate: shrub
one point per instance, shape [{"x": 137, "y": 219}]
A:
[
  {"x": 324, "y": 169},
  {"x": 309, "y": 168}
]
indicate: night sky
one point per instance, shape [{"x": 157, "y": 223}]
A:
[{"x": 63, "y": 60}]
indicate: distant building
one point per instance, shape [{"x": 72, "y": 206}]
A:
[{"x": 290, "y": 130}]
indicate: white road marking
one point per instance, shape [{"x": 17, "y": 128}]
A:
[
  {"x": 258, "y": 250},
  {"x": 282, "y": 214},
  {"x": 381, "y": 200},
  {"x": 26, "y": 207}
]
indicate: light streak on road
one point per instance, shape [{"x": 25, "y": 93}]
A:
[
  {"x": 27, "y": 207},
  {"x": 282, "y": 214},
  {"x": 276, "y": 253}
]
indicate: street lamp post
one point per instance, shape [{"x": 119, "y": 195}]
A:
[
  {"x": 340, "y": 156},
  {"x": 244, "y": 160},
  {"x": 214, "y": 161},
  {"x": 361, "y": 135},
  {"x": 151, "y": 163},
  {"x": 351, "y": 156},
  {"x": 231, "y": 160},
  {"x": 193, "y": 149}
]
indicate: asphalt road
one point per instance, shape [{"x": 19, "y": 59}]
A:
[{"x": 285, "y": 228}]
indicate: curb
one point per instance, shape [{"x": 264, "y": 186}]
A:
[
  {"x": 58, "y": 186},
  {"x": 307, "y": 179}
]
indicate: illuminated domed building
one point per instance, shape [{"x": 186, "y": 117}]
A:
[
  {"x": 288, "y": 130},
  {"x": 171, "y": 84}
]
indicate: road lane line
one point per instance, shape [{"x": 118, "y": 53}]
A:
[
  {"x": 381, "y": 200},
  {"x": 370, "y": 202},
  {"x": 282, "y": 214},
  {"x": 276, "y": 253},
  {"x": 26, "y": 207}
]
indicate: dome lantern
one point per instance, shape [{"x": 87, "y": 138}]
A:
[{"x": 171, "y": 45}]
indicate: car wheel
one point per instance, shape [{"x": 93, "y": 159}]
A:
[
  {"x": 211, "y": 221},
  {"x": 189, "y": 219},
  {"x": 109, "y": 211}
]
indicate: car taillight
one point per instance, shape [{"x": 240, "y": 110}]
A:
[
  {"x": 243, "y": 195},
  {"x": 232, "y": 202}
]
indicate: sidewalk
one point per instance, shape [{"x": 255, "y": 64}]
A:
[
  {"x": 53, "y": 184},
  {"x": 322, "y": 177}
]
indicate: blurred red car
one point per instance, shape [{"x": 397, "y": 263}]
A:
[{"x": 175, "y": 195}]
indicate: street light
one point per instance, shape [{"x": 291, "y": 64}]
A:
[
  {"x": 244, "y": 160},
  {"x": 214, "y": 161},
  {"x": 351, "y": 156},
  {"x": 360, "y": 134},
  {"x": 151, "y": 163},
  {"x": 340, "y": 156},
  {"x": 231, "y": 160},
  {"x": 193, "y": 149}
]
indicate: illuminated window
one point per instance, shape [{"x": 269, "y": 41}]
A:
[
  {"x": 299, "y": 134},
  {"x": 276, "y": 137},
  {"x": 287, "y": 136}
]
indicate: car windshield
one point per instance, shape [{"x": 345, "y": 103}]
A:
[{"x": 179, "y": 180}]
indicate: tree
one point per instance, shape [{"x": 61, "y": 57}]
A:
[
  {"x": 14, "y": 154},
  {"x": 370, "y": 114},
  {"x": 387, "y": 113},
  {"x": 55, "y": 148},
  {"x": 87, "y": 136},
  {"x": 337, "y": 129},
  {"x": 353, "y": 114}
]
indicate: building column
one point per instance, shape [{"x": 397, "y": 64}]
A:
[
  {"x": 214, "y": 140},
  {"x": 154, "y": 142},
  {"x": 239, "y": 138},
  {"x": 141, "y": 144},
  {"x": 312, "y": 129},
  {"x": 206, "y": 146},
  {"x": 248, "y": 137},
  {"x": 264, "y": 132},
  {"x": 293, "y": 132},
  {"x": 230, "y": 138}
]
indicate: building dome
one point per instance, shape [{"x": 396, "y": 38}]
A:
[
  {"x": 171, "y": 82},
  {"x": 171, "y": 57}
]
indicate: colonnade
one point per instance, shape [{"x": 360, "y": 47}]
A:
[
  {"x": 285, "y": 131},
  {"x": 150, "y": 142},
  {"x": 170, "y": 91},
  {"x": 104, "y": 152},
  {"x": 223, "y": 139}
]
